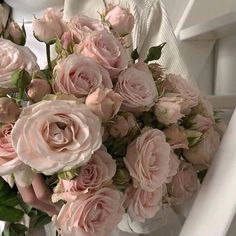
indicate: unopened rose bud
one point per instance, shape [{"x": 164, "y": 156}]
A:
[
  {"x": 15, "y": 34},
  {"x": 9, "y": 111},
  {"x": 67, "y": 41},
  {"x": 157, "y": 71},
  {"x": 37, "y": 89},
  {"x": 121, "y": 20}
]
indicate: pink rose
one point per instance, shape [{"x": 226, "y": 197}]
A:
[
  {"x": 105, "y": 103},
  {"x": 14, "y": 57},
  {"x": 137, "y": 88},
  {"x": 184, "y": 184},
  {"x": 67, "y": 40},
  {"x": 79, "y": 25},
  {"x": 51, "y": 136},
  {"x": 174, "y": 166},
  {"x": 80, "y": 76},
  {"x": 37, "y": 89},
  {"x": 201, "y": 123},
  {"x": 147, "y": 160},
  {"x": 104, "y": 48},
  {"x": 122, "y": 125},
  {"x": 120, "y": 19},
  {"x": 9, "y": 111},
  {"x": 176, "y": 137},
  {"x": 141, "y": 204},
  {"x": 49, "y": 27},
  {"x": 9, "y": 162},
  {"x": 91, "y": 214},
  {"x": 168, "y": 109},
  {"x": 189, "y": 93},
  {"x": 202, "y": 153},
  {"x": 97, "y": 173},
  {"x": 204, "y": 108},
  {"x": 15, "y": 33}
]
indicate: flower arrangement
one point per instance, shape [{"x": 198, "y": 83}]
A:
[{"x": 113, "y": 134}]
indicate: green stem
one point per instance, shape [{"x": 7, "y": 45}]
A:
[{"x": 48, "y": 56}]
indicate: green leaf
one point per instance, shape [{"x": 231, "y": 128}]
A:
[
  {"x": 10, "y": 214},
  {"x": 15, "y": 230},
  {"x": 42, "y": 219},
  {"x": 135, "y": 54},
  {"x": 11, "y": 199},
  {"x": 4, "y": 187},
  {"x": 26, "y": 208},
  {"x": 154, "y": 53}
]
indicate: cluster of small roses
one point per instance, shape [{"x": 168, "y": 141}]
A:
[{"x": 118, "y": 135}]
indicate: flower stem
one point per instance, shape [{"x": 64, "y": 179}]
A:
[{"x": 48, "y": 56}]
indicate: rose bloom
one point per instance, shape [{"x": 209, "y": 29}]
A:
[
  {"x": 104, "y": 103},
  {"x": 202, "y": 153},
  {"x": 79, "y": 25},
  {"x": 14, "y": 57},
  {"x": 94, "y": 214},
  {"x": 121, "y": 20},
  {"x": 141, "y": 204},
  {"x": 104, "y": 48},
  {"x": 122, "y": 125},
  {"x": 184, "y": 184},
  {"x": 174, "y": 166},
  {"x": 137, "y": 88},
  {"x": 80, "y": 76},
  {"x": 201, "y": 123},
  {"x": 98, "y": 172},
  {"x": 9, "y": 162},
  {"x": 189, "y": 93},
  {"x": 168, "y": 109},
  {"x": 148, "y": 160},
  {"x": 176, "y": 137},
  {"x": 49, "y": 27},
  {"x": 51, "y": 136}
]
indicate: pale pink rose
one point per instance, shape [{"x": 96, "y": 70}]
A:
[
  {"x": 122, "y": 125},
  {"x": 168, "y": 109},
  {"x": 174, "y": 166},
  {"x": 51, "y": 136},
  {"x": 120, "y": 19},
  {"x": 66, "y": 40},
  {"x": 176, "y": 137},
  {"x": 80, "y": 25},
  {"x": 104, "y": 48},
  {"x": 141, "y": 204},
  {"x": 204, "y": 108},
  {"x": 189, "y": 93},
  {"x": 49, "y": 27},
  {"x": 147, "y": 160},
  {"x": 137, "y": 88},
  {"x": 9, "y": 162},
  {"x": 105, "y": 103},
  {"x": 97, "y": 173},
  {"x": 14, "y": 57},
  {"x": 91, "y": 214},
  {"x": 184, "y": 185},
  {"x": 9, "y": 111},
  {"x": 202, "y": 153},
  {"x": 201, "y": 123},
  {"x": 80, "y": 76},
  {"x": 15, "y": 33},
  {"x": 37, "y": 89}
]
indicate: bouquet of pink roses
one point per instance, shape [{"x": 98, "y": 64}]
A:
[{"x": 113, "y": 134}]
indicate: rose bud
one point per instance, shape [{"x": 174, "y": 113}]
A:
[
  {"x": 37, "y": 89},
  {"x": 67, "y": 41},
  {"x": 15, "y": 34},
  {"x": 104, "y": 103},
  {"x": 157, "y": 70},
  {"x": 121, "y": 20},
  {"x": 49, "y": 27},
  {"x": 9, "y": 111}
]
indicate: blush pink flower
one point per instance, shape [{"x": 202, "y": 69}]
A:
[
  {"x": 106, "y": 50},
  {"x": 202, "y": 153},
  {"x": 141, "y": 204},
  {"x": 184, "y": 184},
  {"x": 91, "y": 214},
  {"x": 120, "y": 19},
  {"x": 176, "y": 137},
  {"x": 201, "y": 123},
  {"x": 148, "y": 160},
  {"x": 189, "y": 93},
  {"x": 80, "y": 76},
  {"x": 9, "y": 162},
  {"x": 137, "y": 88},
  {"x": 174, "y": 166},
  {"x": 51, "y": 136},
  {"x": 104, "y": 103}
]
